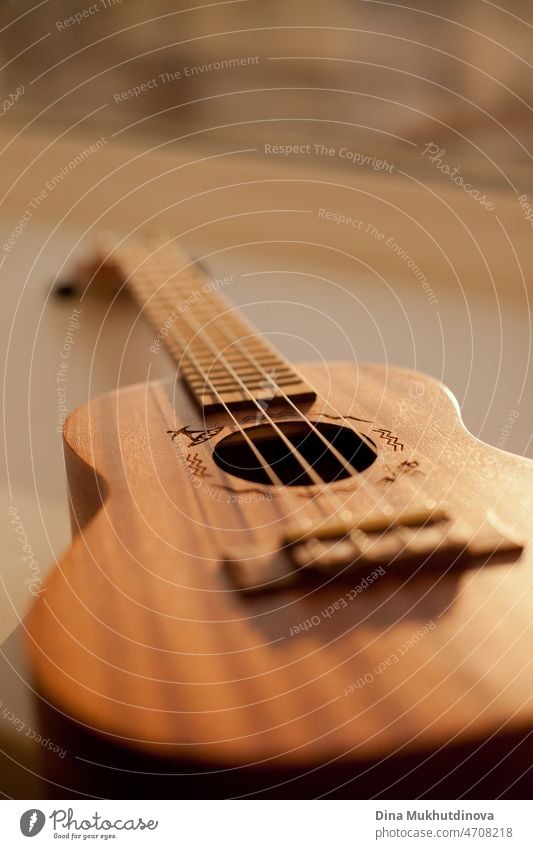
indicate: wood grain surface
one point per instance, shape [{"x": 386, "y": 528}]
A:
[{"x": 141, "y": 637}]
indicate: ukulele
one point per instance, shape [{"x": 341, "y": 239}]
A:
[{"x": 312, "y": 573}]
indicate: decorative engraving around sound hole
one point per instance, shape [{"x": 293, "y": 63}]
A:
[{"x": 351, "y": 453}]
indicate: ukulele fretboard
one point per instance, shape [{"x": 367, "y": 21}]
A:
[{"x": 223, "y": 359}]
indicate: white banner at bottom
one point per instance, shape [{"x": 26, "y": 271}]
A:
[{"x": 267, "y": 824}]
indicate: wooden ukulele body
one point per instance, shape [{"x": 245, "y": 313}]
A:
[{"x": 140, "y": 636}]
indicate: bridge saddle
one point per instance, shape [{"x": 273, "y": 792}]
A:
[{"x": 403, "y": 544}]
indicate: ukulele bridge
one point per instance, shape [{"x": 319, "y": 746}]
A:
[{"x": 404, "y": 544}]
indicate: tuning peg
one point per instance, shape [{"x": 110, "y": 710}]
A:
[{"x": 65, "y": 288}]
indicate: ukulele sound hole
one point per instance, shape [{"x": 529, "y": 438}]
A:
[{"x": 235, "y": 455}]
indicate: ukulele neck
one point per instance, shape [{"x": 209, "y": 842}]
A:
[{"x": 225, "y": 362}]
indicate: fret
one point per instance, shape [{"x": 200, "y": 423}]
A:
[
  {"x": 222, "y": 358},
  {"x": 256, "y": 381}
]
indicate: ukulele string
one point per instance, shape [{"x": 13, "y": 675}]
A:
[
  {"x": 282, "y": 395},
  {"x": 346, "y": 465},
  {"x": 202, "y": 335},
  {"x": 218, "y": 356},
  {"x": 346, "y": 514},
  {"x": 263, "y": 463},
  {"x": 207, "y": 342},
  {"x": 291, "y": 505},
  {"x": 182, "y": 345}
]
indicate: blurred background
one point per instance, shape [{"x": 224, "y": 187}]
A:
[
  {"x": 362, "y": 168},
  {"x": 383, "y": 74}
]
